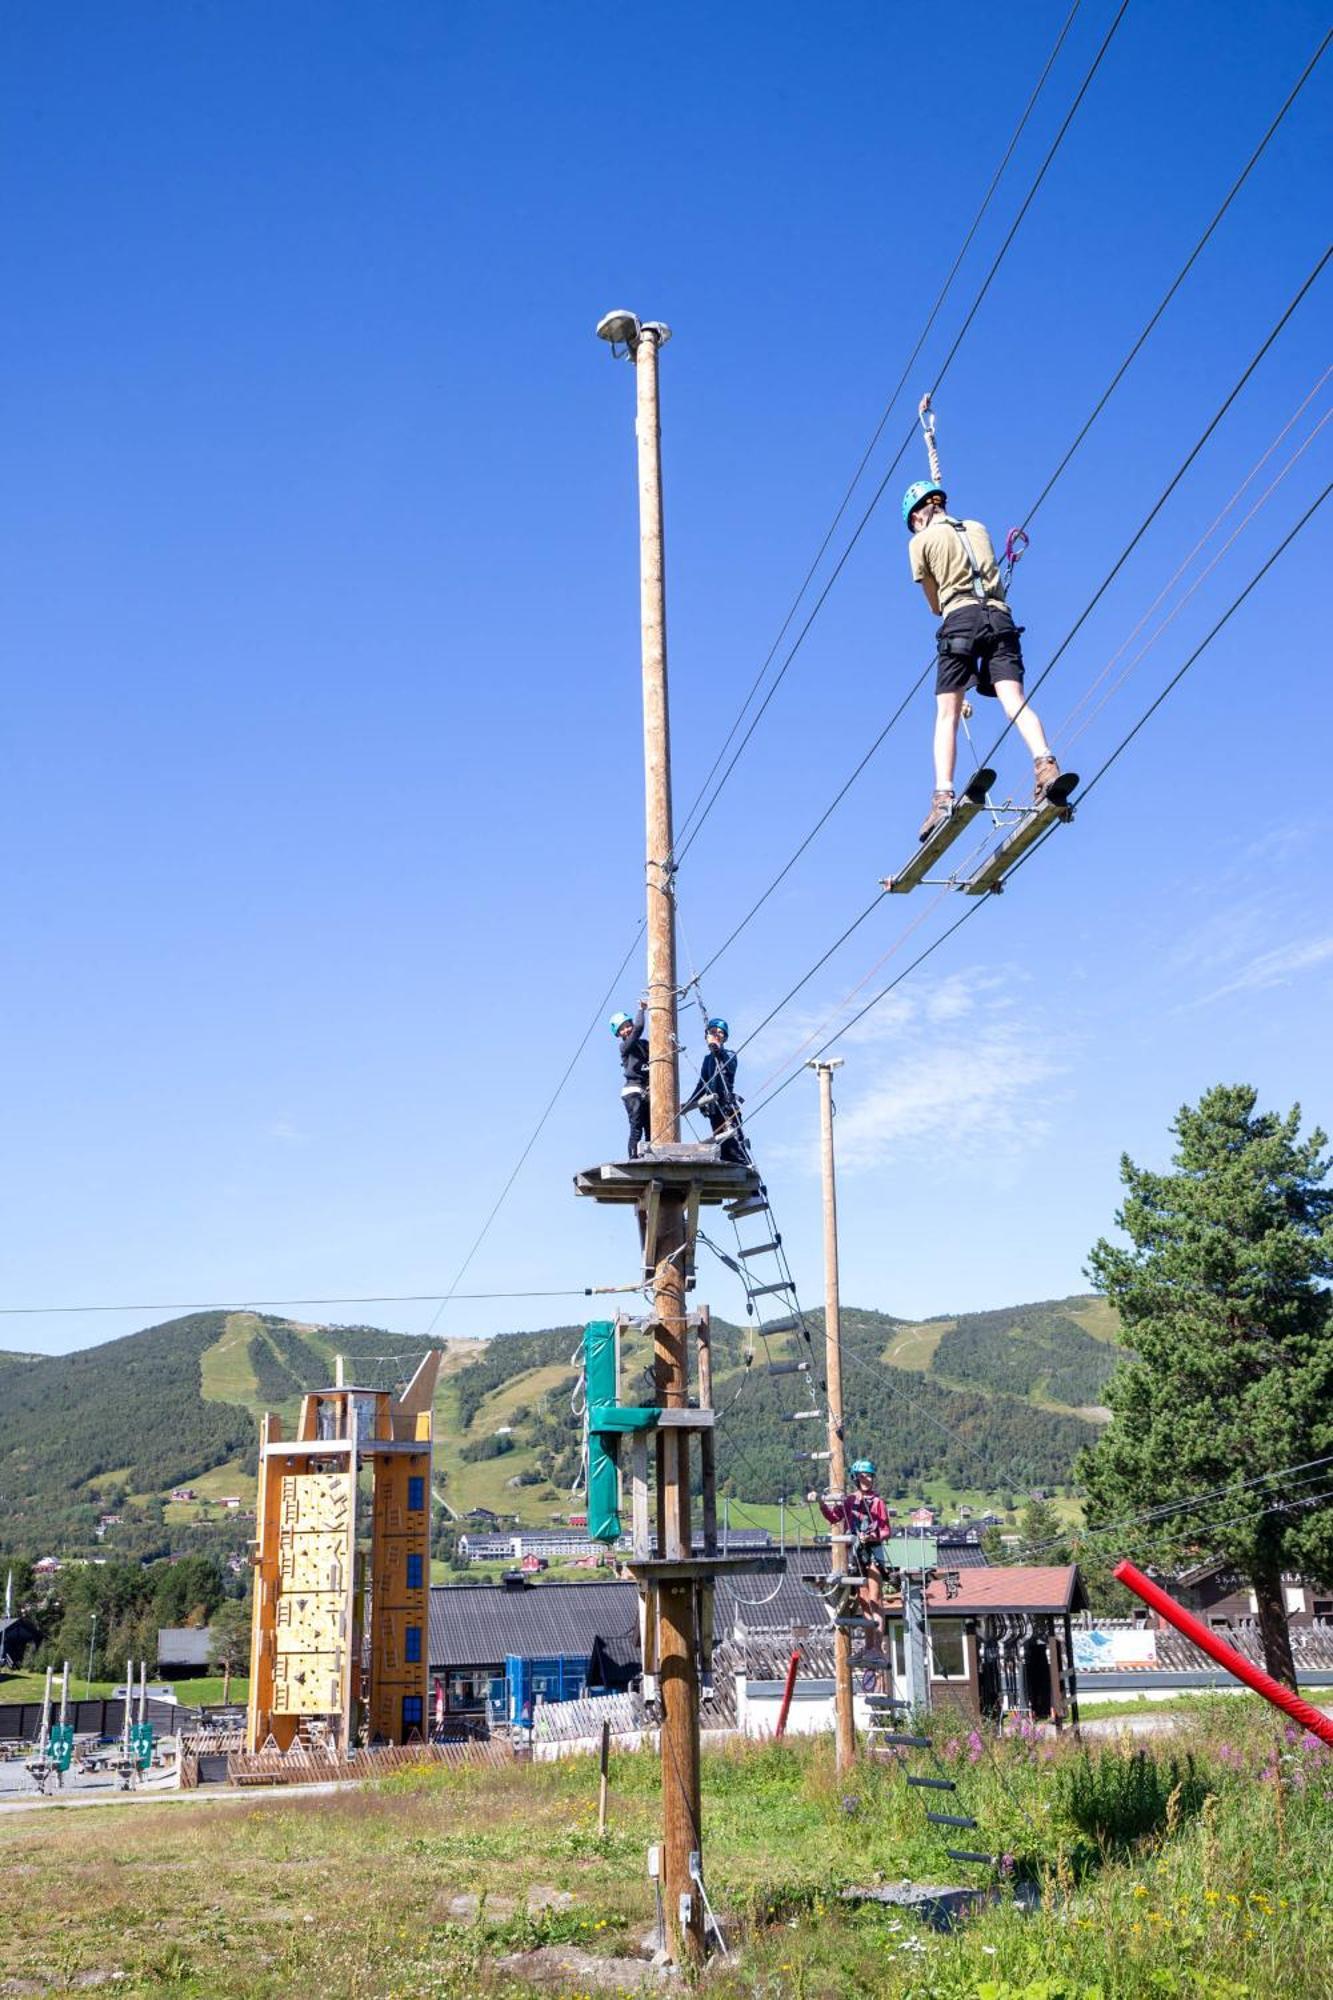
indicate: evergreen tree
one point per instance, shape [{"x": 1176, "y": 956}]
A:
[{"x": 1223, "y": 1298}]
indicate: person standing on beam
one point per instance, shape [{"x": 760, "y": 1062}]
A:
[
  {"x": 628, "y": 1031},
  {"x": 954, "y": 562}
]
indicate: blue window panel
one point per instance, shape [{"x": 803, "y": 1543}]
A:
[
  {"x": 414, "y": 1572},
  {"x": 412, "y": 1644},
  {"x": 412, "y": 1712},
  {"x": 416, "y": 1493}
]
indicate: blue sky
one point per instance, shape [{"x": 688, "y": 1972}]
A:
[{"x": 321, "y": 806}]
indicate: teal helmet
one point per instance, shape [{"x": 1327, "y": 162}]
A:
[
  {"x": 919, "y": 490},
  {"x": 619, "y": 1021},
  {"x": 863, "y": 1465},
  {"x": 717, "y": 1026}
]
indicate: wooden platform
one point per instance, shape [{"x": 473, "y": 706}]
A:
[
  {"x": 697, "y": 1170},
  {"x": 694, "y": 1569}
]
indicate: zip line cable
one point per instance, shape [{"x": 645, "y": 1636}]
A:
[
  {"x": 879, "y": 492},
  {"x": 1124, "y": 743},
  {"x": 879, "y": 428},
  {"x": 536, "y": 1132},
  {"x": 1082, "y": 699},
  {"x": 1163, "y": 497},
  {"x": 367, "y": 1299},
  {"x": 1201, "y": 1498},
  {"x": 1137, "y": 346},
  {"x": 1176, "y": 678},
  {"x": 1156, "y": 508},
  {"x": 1181, "y": 275},
  {"x": 1062, "y": 731}
]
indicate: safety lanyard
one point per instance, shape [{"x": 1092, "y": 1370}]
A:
[{"x": 978, "y": 580}]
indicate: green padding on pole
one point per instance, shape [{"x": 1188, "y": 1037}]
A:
[
  {"x": 600, "y": 1387},
  {"x": 621, "y": 1417},
  {"x": 603, "y": 1492},
  {"x": 599, "y": 1362}
]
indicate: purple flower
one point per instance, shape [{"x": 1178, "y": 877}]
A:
[
  {"x": 1006, "y": 1864},
  {"x": 975, "y": 1747}
]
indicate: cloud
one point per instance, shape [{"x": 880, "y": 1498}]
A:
[
  {"x": 978, "y": 1092},
  {"x": 966, "y": 1066},
  {"x": 285, "y": 1132},
  {"x": 1277, "y": 967}
]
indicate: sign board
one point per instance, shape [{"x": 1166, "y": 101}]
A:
[
  {"x": 141, "y": 1744},
  {"x": 1114, "y": 1648},
  {"x": 60, "y": 1745},
  {"x": 912, "y": 1552}
]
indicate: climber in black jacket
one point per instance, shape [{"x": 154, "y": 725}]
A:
[{"x": 715, "y": 1093}]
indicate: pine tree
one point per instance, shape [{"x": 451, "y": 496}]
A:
[{"x": 1223, "y": 1301}]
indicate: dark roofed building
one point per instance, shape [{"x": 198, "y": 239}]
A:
[
  {"x": 17, "y": 1637},
  {"x": 475, "y": 1628}
]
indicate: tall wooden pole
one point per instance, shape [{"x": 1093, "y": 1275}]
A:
[
  {"x": 678, "y": 1670},
  {"x": 837, "y": 1462}
]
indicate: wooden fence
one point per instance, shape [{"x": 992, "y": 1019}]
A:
[{"x": 299, "y": 1766}]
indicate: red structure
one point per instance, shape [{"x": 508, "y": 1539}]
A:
[
  {"x": 787, "y": 1693},
  {"x": 1226, "y": 1656}
]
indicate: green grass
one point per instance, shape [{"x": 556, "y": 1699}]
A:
[
  {"x": 435, "y": 1883},
  {"x": 207, "y": 1688},
  {"x": 225, "y": 1373}
]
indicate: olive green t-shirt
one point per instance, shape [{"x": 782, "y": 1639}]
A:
[{"x": 937, "y": 552}]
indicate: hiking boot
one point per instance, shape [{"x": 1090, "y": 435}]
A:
[
  {"x": 941, "y": 808},
  {"x": 1045, "y": 771}
]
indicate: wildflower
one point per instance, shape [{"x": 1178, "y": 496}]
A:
[
  {"x": 1139, "y": 1889},
  {"x": 1210, "y": 1895},
  {"x": 975, "y": 1747}
]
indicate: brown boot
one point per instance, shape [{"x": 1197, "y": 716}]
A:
[
  {"x": 1045, "y": 771},
  {"x": 941, "y": 807}
]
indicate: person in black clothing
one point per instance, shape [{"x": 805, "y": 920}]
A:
[
  {"x": 715, "y": 1093},
  {"x": 628, "y": 1031}
]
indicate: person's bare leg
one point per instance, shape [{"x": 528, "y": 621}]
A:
[
  {"x": 948, "y": 708},
  {"x": 1024, "y": 719}
]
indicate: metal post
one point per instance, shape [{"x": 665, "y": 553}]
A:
[
  {"x": 842, "y": 1640},
  {"x": 914, "y": 1638},
  {"x": 678, "y": 1664}
]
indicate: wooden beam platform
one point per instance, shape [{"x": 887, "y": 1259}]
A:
[
  {"x": 698, "y": 1172},
  {"x": 1054, "y": 810},
  {"x": 929, "y": 852}
]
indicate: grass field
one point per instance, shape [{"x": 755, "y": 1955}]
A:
[
  {"x": 1208, "y": 1879},
  {"x": 193, "y": 1693}
]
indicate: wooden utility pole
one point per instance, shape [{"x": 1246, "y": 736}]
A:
[
  {"x": 677, "y": 1637},
  {"x": 837, "y": 1461}
]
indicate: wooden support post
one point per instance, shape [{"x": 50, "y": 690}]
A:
[
  {"x": 837, "y": 1465},
  {"x": 604, "y": 1763},
  {"x": 677, "y": 1634},
  {"x": 708, "y": 1465}
]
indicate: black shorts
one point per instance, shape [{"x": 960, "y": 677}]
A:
[{"x": 978, "y": 646}]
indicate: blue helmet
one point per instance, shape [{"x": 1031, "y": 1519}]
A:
[
  {"x": 919, "y": 490},
  {"x": 719, "y": 1027},
  {"x": 863, "y": 1465},
  {"x": 619, "y": 1021}
]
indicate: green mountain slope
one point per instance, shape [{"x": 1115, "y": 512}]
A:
[{"x": 987, "y": 1402}]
